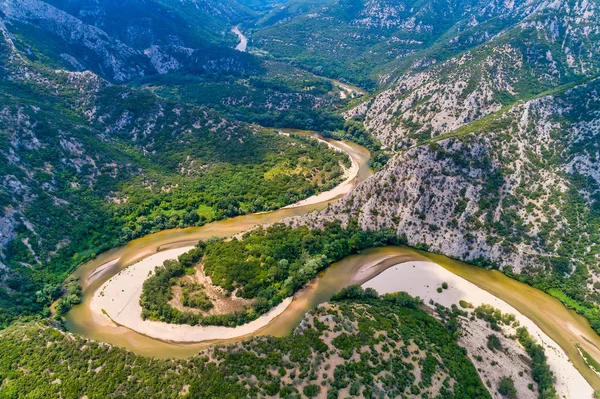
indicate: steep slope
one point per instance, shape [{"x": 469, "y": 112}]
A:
[
  {"x": 126, "y": 40},
  {"x": 556, "y": 44},
  {"x": 359, "y": 347},
  {"x": 356, "y": 39},
  {"x": 519, "y": 190},
  {"x": 142, "y": 24}
]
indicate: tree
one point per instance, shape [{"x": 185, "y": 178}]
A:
[
  {"x": 507, "y": 387},
  {"x": 311, "y": 390}
]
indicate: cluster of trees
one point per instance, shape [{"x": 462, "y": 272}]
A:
[
  {"x": 288, "y": 366},
  {"x": 157, "y": 290},
  {"x": 358, "y": 293},
  {"x": 418, "y": 325},
  {"x": 194, "y": 296},
  {"x": 540, "y": 370},
  {"x": 354, "y": 130},
  {"x": 266, "y": 265},
  {"x": 277, "y": 174},
  {"x": 506, "y": 387},
  {"x": 71, "y": 295}
]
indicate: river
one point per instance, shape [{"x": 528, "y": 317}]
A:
[
  {"x": 564, "y": 326},
  {"x": 95, "y": 273},
  {"x": 243, "y": 44}
]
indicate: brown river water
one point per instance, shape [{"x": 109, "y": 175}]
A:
[{"x": 564, "y": 326}]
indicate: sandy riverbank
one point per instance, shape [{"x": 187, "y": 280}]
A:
[
  {"x": 118, "y": 299},
  {"x": 422, "y": 278},
  {"x": 100, "y": 270}
]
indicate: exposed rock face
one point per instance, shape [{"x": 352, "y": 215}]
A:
[
  {"x": 536, "y": 53},
  {"x": 145, "y": 46},
  {"x": 503, "y": 192},
  {"x": 119, "y": 61}
]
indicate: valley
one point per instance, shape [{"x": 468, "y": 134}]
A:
[
  {"x": 299, "y": 199},
  {"x": 561, "y": 330}
]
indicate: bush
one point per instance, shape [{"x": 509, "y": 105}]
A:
[
  {"x": 507, "y": 387},
  {"x": 493, "y": 342},
  {"x": 311, "y": 390}
]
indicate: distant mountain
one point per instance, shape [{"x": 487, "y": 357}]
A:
[
  {"x": 125, "y": 40},
  {"x": 356, "y": 40}
]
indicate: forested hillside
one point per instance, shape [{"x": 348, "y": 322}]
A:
[
  {"x": 366, "y": 41},
  {"x": 88, "y": 165},
  {"x": 332, "y": 354}
]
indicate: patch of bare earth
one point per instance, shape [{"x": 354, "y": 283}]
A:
[{"x": 223, "y": 301}]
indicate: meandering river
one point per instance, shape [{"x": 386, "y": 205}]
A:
[
  {"x": 564, "y": 326},
  {"x": 83, "y": 320}
]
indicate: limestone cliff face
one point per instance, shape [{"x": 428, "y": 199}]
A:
[
  {"x": 103, "y": 39},
  {"x": 487, "y": 167},
  {"x": 547, "y": 44},
  {"x": 504, "y": 191}
]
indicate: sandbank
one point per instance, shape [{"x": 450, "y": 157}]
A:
[
  {"x": 99, "y": 271},
  {"x": 422, "y": 278},
  {"x": 118, "y": 301}
]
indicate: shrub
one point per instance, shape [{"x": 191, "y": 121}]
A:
[
  {"x": 507, "y": 387},
  {"x": 311, "y": 390}
]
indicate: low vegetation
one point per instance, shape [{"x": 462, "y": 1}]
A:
[{"x": 359, "y": 345}]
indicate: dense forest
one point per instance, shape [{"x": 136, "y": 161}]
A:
[{"x": 277, "y": 95}]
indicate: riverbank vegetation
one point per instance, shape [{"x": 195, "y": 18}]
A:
[
  {"x": 539, "y": 367},
  {"x": 354, "y": 130},
  {"x": 266, "y": 266},
  {"x": 361, "y": 345},
  {"x": 201, "y": 178}
]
